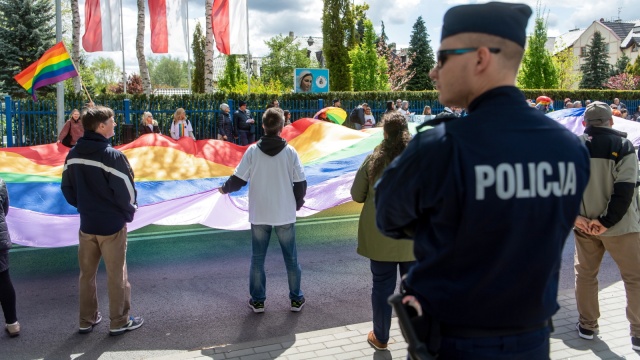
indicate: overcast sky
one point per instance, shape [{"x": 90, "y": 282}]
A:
[{"x": 268, "y": 18}]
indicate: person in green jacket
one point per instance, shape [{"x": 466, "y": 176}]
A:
[{"x": 386, "y": 254}]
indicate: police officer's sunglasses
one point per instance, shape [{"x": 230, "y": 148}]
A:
[{"x": 443, "y": 55}]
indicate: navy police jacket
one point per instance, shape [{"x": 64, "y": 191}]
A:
[
  {"x": 97, "y": 179},
  {"x": 489, "y": 200}
]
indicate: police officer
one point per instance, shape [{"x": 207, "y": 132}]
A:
[{"x": 489, "y": 199}]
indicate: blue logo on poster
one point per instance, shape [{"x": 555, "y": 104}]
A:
[{"x": 311, "y": 80}]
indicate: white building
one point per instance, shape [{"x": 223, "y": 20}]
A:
[{"x": 620, "y": 37}]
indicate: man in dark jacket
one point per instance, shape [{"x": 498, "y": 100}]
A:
[
  {"x": 244, "y": 125},
  {"x": 609, "y": 221},
  {"x": 357, "y": 116},
  {"x": 97, "y": 179},
  {"x": 277, "y": 186},
  {"x": 491, "y": 206}
]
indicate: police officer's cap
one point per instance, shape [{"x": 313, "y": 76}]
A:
[
  {"x": 508, "y": 21},
  {"x": 597, "y": 113}
]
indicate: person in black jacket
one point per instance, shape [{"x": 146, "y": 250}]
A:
[
  {"x": 148, "y": 125},
  {"x": 486, "y": 276},
  {"x": 225, "y": 125},
  {"x": 7, "y": 292},
  {"x": 97, "y": 180},
  {"x": 244, "y": 125}
]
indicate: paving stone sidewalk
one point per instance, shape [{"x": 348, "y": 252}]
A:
[{"x": 349, "y": 342}]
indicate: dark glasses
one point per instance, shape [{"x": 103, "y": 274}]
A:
[{"x": 443, "y": 55}]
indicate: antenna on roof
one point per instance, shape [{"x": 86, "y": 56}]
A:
[{"x": 619, "y": 10}]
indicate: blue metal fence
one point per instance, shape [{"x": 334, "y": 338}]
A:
[{"x": 26, "y": 123}]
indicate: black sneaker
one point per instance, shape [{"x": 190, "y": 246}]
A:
[
  {"x": 134, "y": 323},
  {"x": 88, "y": 329},
  {"x": 296, "y": 305},
  {"x": 256, "y": 306},
  {"x": 635, "y": 343},
  {"x": 584, "y": 333}
]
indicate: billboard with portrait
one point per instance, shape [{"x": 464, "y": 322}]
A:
[{"x": 311, "y": 80}]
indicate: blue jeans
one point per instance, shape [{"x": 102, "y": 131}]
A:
[
  {"x": 260, "y": 235},
  {"x": 528, "y": 346},
  {"x": 385, "y": 277}
]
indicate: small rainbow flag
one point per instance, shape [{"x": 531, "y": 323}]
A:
[{"x": 54, "y": 66}]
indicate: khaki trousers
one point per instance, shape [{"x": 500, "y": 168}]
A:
[
  {"x": 113, "y": 249},
  {"x": 625, "y": 251}
]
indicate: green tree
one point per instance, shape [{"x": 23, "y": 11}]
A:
[
  {"x": 621, "y": 65},
  {"x": 634, "y": 69},
  {"x": 595, "y": 69},
  {"x": 369, "y": 71},
  {"x": 284, "y": 56},
  {"x": 198, "y": 46},
  {"x": 105, "y": 71},
  {"x": 26, "y": 31},
  {"x": 564, "y": 62},
  {"x": 359, "y": 16},
  {"x": 169, "y": 72},
  {"x": 421, "y": 53},
  {"x": 537, "y": 70},
  {"x": 232, "y": 76},
  {"x": 337, "y": 29}
]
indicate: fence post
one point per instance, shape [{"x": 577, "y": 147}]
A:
[
  {"x": 127, "y": 111},
  {"x": 320, "y": 104},
  {"x": 230, "y": 103},
  {"x": 8, "y": 120}
]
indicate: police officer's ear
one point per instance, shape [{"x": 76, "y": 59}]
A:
[{"x": 483, "y": 57}]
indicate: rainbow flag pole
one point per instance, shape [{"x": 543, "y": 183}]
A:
[{"x": 54, "y": 66}]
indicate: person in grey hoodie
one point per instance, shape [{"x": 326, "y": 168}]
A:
[
  {"x": 277, "y": 186},
  {"x": 7, "y": 292}
]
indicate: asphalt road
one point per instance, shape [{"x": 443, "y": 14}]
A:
[{"x": 191, "y": 286}]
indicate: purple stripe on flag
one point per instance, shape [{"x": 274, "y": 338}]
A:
[{"x": 52, "y": 80}]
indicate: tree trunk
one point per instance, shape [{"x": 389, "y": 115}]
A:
[
  {"x": 142, "y": 61},
  {"x": 208, "y": 55},
  {"x": 75, "y": 38}
]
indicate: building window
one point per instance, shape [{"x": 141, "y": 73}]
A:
[
  {"x": 583, "y": 51},
  {"x": 606, "y": 48},
  {"x": 634, "y": 48}
]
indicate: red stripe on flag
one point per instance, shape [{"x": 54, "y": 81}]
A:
[
  {"x": 220, "y": 25},
  {"x": 92, "y": 38},
  {"x": 159, "y": 32}
]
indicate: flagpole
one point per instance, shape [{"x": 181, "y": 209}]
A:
[
  {"x": 60, "y": 85},
  {"x": 248, "y": 52},
  {"x": 79, "y": 76},
  {"x": 188, "y": 50},
  {"x": 124, "y": 71}
]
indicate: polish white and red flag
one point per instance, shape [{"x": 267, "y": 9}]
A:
[
  {"x": 229, "y": 22},
  {"x": 168, "y": 19},
  {"x": 102, "y": 26}
]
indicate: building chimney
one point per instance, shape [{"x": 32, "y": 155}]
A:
[{"x": 291, "y": 34}]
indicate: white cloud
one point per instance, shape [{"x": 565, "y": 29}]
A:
[{"x": 303, "y": 17}]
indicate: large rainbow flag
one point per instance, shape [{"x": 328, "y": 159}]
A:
[
  {"x": 177, "y": 181},
  {"x": 54, "y": 66}
]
